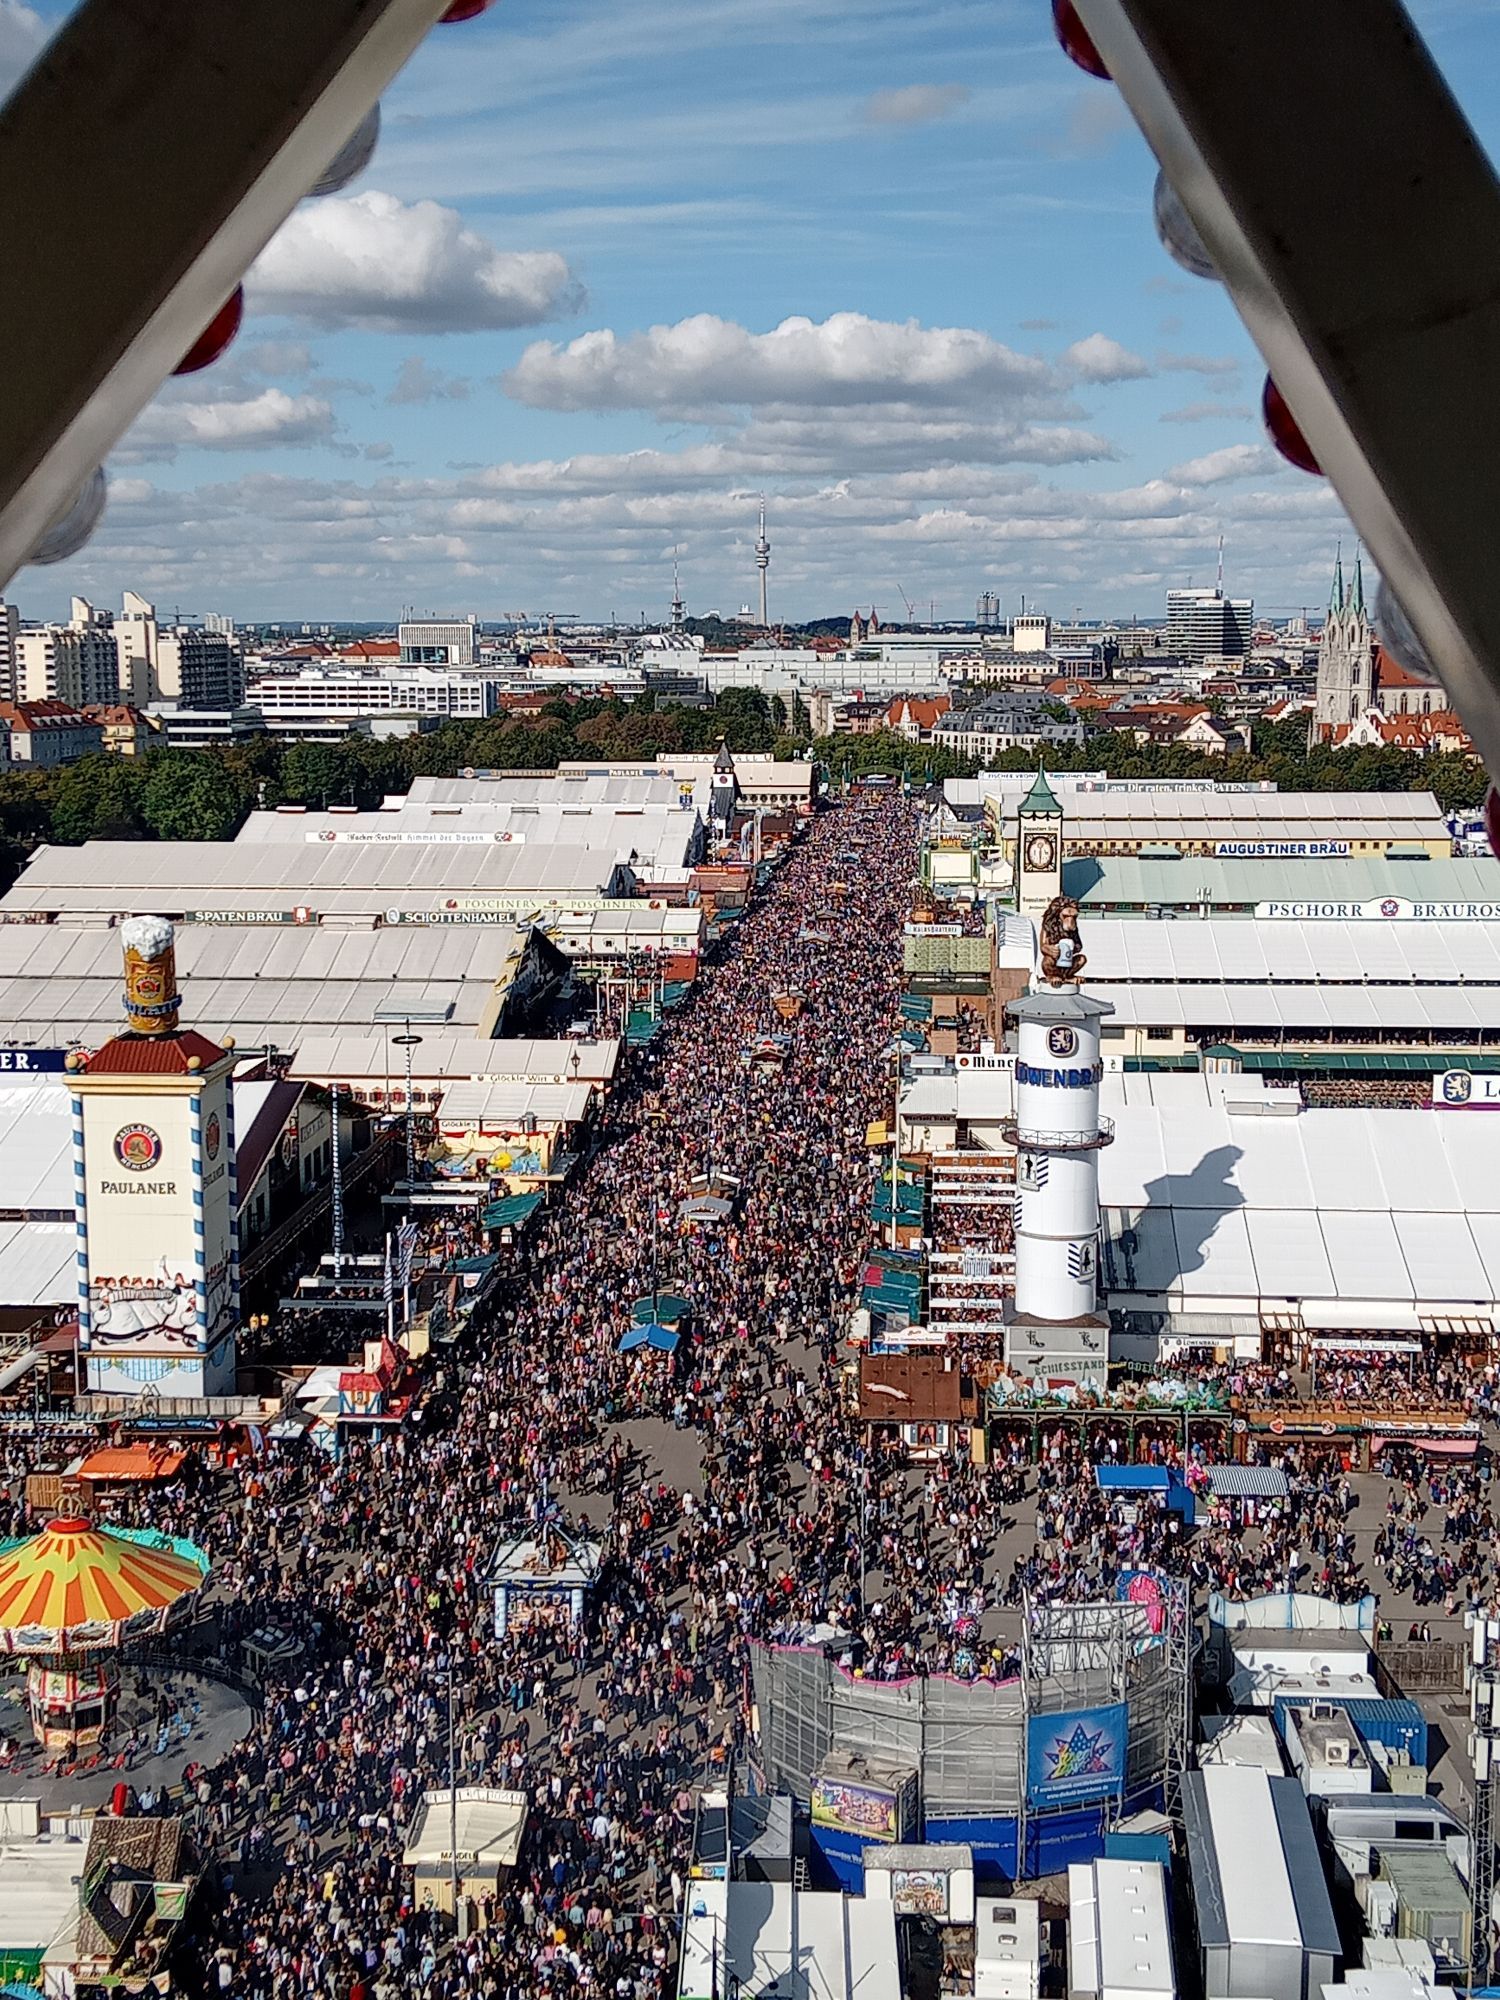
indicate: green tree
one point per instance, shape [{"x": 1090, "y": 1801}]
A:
[
  {"x": 187, "y": 795},
  {"x": 97, "y": 798}
]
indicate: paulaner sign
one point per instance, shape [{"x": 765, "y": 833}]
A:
[{"x": 1386, "y": 909}]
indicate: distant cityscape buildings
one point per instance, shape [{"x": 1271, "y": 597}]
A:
[
  {"x": 1200, "y": 677},
  {"x": 1205, "y": 624}
]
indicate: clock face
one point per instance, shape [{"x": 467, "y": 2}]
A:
[{"x": 1041, "y": 852}]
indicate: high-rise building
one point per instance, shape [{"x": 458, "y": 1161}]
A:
[
  {"x": 10, "y": 631},
  {"x": 135, "y": 642},
  {"x": 1030, "y": 632},
  {"x": 1205, "y": 624},
  {"x": 74, "y": 664},
  {"x": 440, "y": 642},
  {"x": 1346, "y": 654},
  {"x": 98, "y": 655},
  {"x": 198, "y": 670}
]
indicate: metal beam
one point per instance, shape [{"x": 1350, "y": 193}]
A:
[
  {"x": 145, "y": 162},
  {"x": 1356, "y": 221}
]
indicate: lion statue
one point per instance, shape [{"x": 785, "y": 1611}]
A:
[{"x": 1063, "y": 958}]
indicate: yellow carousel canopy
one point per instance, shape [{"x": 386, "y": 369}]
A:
[{"x": 75, "y": 1586}]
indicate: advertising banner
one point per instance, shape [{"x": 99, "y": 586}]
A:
[
  {"x": 868, "y": 1810},
  {"x": 1461, "y": 1089},
  {"x": 1076, "y": 1756},
  {"x": 920, "y": 1892}
]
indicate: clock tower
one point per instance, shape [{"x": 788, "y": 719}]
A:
[{"x": 1038, "y": 849}]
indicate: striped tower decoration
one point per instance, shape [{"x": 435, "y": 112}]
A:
[{"x": 81, "y": 1224}]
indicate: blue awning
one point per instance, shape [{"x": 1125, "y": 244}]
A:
[
  {"x": 1133, "y": 1478},
  {"x": 661, "y": 1338}
]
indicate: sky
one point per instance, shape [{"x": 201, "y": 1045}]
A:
[{"x": 617, "y": 270}]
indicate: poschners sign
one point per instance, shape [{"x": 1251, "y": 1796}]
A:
[
  {"x": 1060, "y": 1079},
  {"x": 33, "y": 1062}
]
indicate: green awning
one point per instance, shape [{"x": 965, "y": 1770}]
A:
[
  {"x": 667, "y": 1308},
  {"x": 511, "y": 1212}
]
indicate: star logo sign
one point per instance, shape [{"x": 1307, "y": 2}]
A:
[{"x": 1084, "y": 1754}]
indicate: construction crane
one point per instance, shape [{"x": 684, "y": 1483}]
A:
[{"x": 911, "y": 609}]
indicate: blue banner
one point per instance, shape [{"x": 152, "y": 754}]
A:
[{"x": 1076, "y": 1756}]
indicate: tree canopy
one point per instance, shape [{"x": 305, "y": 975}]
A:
[{"x": 173, "y": 794}]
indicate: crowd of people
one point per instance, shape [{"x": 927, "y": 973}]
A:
[
  {"x": 733, "y": 1491},
  {"x": 375, "y": 1564}
]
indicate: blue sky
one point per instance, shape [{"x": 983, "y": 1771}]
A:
[{"x": 614, "y": 270}]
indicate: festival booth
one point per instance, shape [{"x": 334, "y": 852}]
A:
[
  {"x": 379, "y": 1392},
  {"x": 518, "y": 1134},
  {"x": 1120, "y": 1481},
  {"x": 656, "y": 1339},
  {"x": 115, "y": 1467},
  {"x": 1352, "y": 1436},
  {"x": 921, "y": 1395},
  {"x": 1141, "y": 1417},
  {"x": 481, "y": 1827},
  {"x": 765, "y": 1052},
  {"x": 711, "y": 1201},
  {"x": 671, "y": 1310},
  {"x": 70, "y": 1597},
  {"x": 544, "y": 1580},
  {"x": 898, "y": 1202},
  {"x": 891, "y": 1291},
  {"x": 510, "y": 1213}
]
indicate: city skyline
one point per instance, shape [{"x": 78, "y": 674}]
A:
[{"x": 608, "y": 280}]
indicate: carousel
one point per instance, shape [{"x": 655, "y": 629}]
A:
[{"x": 70, "y": 1597}]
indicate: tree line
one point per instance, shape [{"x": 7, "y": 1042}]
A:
[{"x": 172, "y": 794}]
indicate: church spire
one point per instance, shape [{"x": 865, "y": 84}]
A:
[
  {"x": 1336, "y": 602},
  {"x": 1357, "y": 589}
]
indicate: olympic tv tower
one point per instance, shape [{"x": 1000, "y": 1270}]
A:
[{"x": 763, "y": 561}]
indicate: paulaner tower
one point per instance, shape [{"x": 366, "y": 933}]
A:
[
  {"x": 1057, "y": 1331},
  {"x": 154, "y": 1192}
]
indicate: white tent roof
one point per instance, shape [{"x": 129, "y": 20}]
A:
[
  {"x": 1295, "y": 1009},
  {"x": 1226, "y": 951},
  {"x": 1399, "y": 1210},
  {"x": 470, "y": 1103}
]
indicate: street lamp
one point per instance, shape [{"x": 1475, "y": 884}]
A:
[{"x": 409, "y": 1041}]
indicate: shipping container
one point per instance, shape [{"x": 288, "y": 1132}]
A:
[{"x": 1399, "y": 1725}]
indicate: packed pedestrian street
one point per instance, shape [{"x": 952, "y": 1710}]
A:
[{"x": 729, "y": 1484}]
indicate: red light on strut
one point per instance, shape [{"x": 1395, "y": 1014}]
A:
[
  {"x": 465, "y": 10},
  {"x": 216, "y": 336},
  {"x": 1077, "y": 42},
  {"x": 1285, "y": 432}
]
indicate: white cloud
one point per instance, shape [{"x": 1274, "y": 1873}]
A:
[
  {"x": 915, "y": 104},
  {"x": 419, "y": 383},
  {"x": 278, "y": 357},
  {"x": 248, "y": 423},
  {"x": 388, "y": 266},
  {"x": 1100, "y": 359},
  {"x": 1199, "y": 364},
  {"x": 1235, "y": 461},
  {"x": 22, "y": 33},
  {"x": 1203, "y": 413},
  {"x": 706, "y": 363}
]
